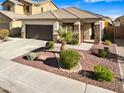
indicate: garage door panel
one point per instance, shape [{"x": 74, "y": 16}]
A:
[{"x": 43, "y": 32}]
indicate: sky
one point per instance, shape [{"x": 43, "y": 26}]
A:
[{"x": 112, "y": 8}]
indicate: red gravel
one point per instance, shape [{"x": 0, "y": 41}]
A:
[{"x": 87, "y": 63}]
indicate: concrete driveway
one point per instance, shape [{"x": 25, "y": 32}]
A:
[
  {"x": 16, "y": 47},
  {"x": 18, "y": 78}
]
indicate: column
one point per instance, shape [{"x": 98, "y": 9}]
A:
[
  {"x": 77, "y": 29},
  {"x": 56, "y": 27},
  {"x": 23, "y": 32},
  {"x": 97, "y": 28}
]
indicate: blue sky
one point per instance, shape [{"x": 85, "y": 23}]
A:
[{"x": 111, "y": 8}]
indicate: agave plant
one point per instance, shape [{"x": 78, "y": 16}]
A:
[{"x": 65, "y": 36}]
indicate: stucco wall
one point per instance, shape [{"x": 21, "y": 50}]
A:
[
  {"x": 36, "y": 10},
  {"x": 39, "y": 22},
  {"x": 16, "y": 24},
  {"x": 18, "y": 9},
  {"x": 48, "y": 6}
]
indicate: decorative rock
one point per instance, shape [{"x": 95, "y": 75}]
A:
[{"x": 42, "y": 57}]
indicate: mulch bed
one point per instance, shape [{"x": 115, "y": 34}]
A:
[{"x": 88, "y": 63}]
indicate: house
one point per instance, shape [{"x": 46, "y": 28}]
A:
[
  {"x": 87, "y": 25},
  {"x": 15, "y": 9},
  {"x": 41, "y": 20},
  {"x": 119, "y": 29}
]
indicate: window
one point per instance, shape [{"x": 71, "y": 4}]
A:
[
  {"x": 41, "y": 9},
  {"x": 8, "y": 8},
  {"x": 27, "y": 9}
]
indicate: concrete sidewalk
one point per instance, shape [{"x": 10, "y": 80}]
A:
[
  {"x": 18, "y": 78},
  {"x": 120, "y": 53}
]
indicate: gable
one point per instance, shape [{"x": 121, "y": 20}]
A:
[{"x": 48, "y": 6}]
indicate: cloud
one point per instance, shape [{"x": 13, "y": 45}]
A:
[{"x": 101, "y": 0}]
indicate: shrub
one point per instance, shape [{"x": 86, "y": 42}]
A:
[
  {"x": 103, "y": 74},
  {"x": 69, "y": 58},
  {"x": 65, "y": 35},
  {"x": 74, "y": 41},
  {"x": 50, "y": 45},
  {"x": 108, "y": 42},
  {"x": 4, "y": 33},
  {"x": 31, "y": 56},
  {"x": 103, "y": 53}
]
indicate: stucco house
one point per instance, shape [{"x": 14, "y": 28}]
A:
[
  {"x": 43, "y": 26},
  {"x": 41, "y": 20},
  {"x": 15, "y": 9}
]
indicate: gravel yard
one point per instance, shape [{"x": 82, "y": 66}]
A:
[{"x": 88, "y": 61}]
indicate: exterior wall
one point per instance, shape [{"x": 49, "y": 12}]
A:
[
  {"x": 15, "y": 28},
  {"x": 16, "y": 24},
  {"x": 15, "y": 8},
  {"x": 39, "y": 22},
  {"x": 36, "y": 10},
  {"x": 33, "y": 9},
  {"x": 48, "y": 6},
  {"x": 87, "y": 31},
  {"x": 18, "y": 9}
]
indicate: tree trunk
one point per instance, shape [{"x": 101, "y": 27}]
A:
[{"x": 64, "y": 46}]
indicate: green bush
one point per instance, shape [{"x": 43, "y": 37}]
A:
[
  {"x": 4, "y": 33},
  {"x": 31, "y": 56},
  {"x": 103, "y": 53},
  {"x": 69, "y": 58},
  {"x": 103, "y": 74},
  {"x": 50, "y": 45},
  {"x": 74, "y": 41},
  {"x": 108, "y": 42}
]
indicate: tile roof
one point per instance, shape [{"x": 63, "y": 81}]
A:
[
  {"x": 13, "y": 1},
  {"x": 12, "y": 15},
  {"x": 36, "y": 3},
  {"x": 119, "y": 18},
  {"x": 45, "y": 15},
  {"x": 80, "y": 13},
  {"x": 67, "y": 13}
]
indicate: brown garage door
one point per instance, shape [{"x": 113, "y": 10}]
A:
[{"x": 43, "y": 32}]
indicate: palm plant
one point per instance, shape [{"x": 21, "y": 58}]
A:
[{"x": 65, "y": 36}]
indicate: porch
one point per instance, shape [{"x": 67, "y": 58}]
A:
[{"x": 85, "y": 30}]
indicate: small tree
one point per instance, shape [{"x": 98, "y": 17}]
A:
[{"x": 65, "y": 36}]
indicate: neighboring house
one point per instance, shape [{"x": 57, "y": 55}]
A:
[
  {"x": 15, "y": 9},
  {"x": 87, "y": 25},
  {"x": 119, "y": 30}
]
